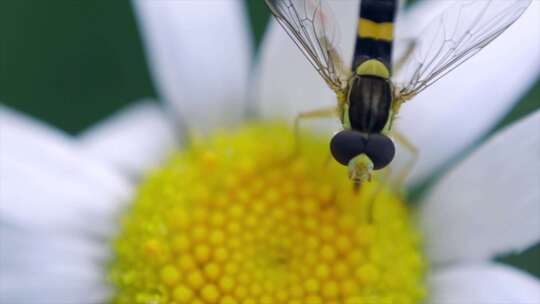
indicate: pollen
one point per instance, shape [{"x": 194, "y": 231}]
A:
[{"x": 238, "y": 217}]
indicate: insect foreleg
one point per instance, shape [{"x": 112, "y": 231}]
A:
[
  {"x": 315, "y": 114},
  {"x": 404, "y": 173},
  {"x": 383, "y": 181}
]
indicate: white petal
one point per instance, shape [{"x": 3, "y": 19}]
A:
[
  {"x": 199, "y": 53},
  {"x": 489, "y": 203},
  {"x": 59, "y": 267},
  {"x": 487, "y": 283},
  {"x": 21, "y": 244},
  {"x": 57, "y": 213},
  {"x": 47, "y": 183},
  {"x": 133, "y": 140},
  {"x": 286, "y": 83},
  {"x": 453, "y": 113},
  {"x": 52, "y": 288}
]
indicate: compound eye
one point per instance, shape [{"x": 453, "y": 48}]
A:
[
  {"x": 347, "y": 144},
  {"x": 380, "y": 149}
]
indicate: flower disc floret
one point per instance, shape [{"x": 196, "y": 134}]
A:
[{"x": 239, "y": 218}]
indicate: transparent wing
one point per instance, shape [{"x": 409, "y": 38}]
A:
[
  {"x": 309, "y": 24},
  {"x": 456, "y": 35}
]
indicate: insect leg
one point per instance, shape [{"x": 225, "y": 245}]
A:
[
  {"x": 411, "y": 45},
  {"x": 315, "y": 114},
  {"x": 384, "y": 179},
  {"x": 402, "y": 139}
]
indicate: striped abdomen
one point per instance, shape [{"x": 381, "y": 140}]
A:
[
  {"x": 370, "y": 91},
  {"x": 375, "y": 32}
]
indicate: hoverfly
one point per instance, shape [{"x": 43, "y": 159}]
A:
[{"x": 369, "y": 96}]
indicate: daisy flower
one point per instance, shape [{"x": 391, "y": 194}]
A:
[{"x": 232, "y": 218}]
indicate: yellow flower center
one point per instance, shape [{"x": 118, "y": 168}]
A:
[{"x": 236, "y": 218}]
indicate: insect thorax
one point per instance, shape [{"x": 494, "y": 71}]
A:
[{"x": 370, "y": 97}]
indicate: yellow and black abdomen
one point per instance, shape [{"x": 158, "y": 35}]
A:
[
  {"x": 375, "y": 32},
  {"x": 370, "y": 91}
]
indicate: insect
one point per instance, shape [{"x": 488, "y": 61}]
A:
[{"x": 371, "y": 92}]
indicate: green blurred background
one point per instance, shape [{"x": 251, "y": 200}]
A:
[{"x": 74, "y": 62}]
